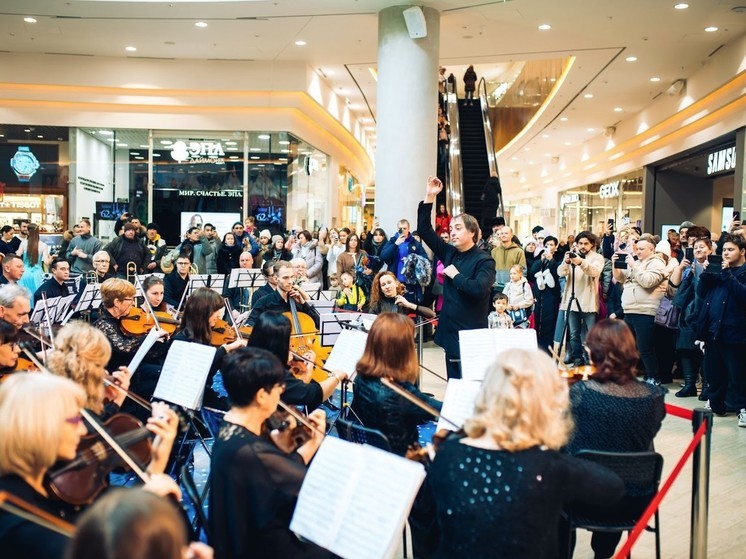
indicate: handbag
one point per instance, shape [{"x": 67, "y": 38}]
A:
[
  {"x": 519, "y": 316},
  {"x": 667, "y": 314}
]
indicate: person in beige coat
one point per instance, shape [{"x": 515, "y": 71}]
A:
[
  {"x": 644, "y": 281},
  {"x": 583, "y": 266}
]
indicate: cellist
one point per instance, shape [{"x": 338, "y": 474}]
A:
[{"x": 280, "y": 299}]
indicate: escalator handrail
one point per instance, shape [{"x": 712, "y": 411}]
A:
[
  {"x": 454, "y": 182},
  {"x": 488, "y": 138}
]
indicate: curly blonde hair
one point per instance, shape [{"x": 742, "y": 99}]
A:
[
  {"x": 81, "y": 353},
  {"x": 523, "y": 403}
]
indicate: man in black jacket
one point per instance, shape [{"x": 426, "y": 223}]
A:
[
  {"x": 59, "y": 285},
  {"x": 469, "y": 273}
]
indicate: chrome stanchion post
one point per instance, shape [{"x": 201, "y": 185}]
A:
[
  {"x": 700, "y": 485},
  {"x": 418, "y": 330}
]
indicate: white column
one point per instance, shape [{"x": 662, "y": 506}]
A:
[{"x": 407, "y": 114}]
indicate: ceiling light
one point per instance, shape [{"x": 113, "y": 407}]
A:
[
  {"x": 631, "y": 59},
  {"x": 284, "y": 142},
  {"x": 568, "y": 143},
  {"x": 39, "y": 136},
  {"x": 201, "y": 24},
  {"x": 29, "y": 19},
  {"x": 588, "y": 95},
  {"x": 166, "y": 142},
  {"x": 563, "y": 118},
  {"x": 283, "y": 160},
  {"x": 123, "y": 145},
  {"x": 27, "y": 129},
  {"x": 545, "y": 27},
  {"x": 156, "y": 155},
  {"x": 618, "y": 109},
  {"x": 263, "y": 136},
  {"x": 284, "y": 151},
  {"x": 134, "y": 153},
  {"x": 105, "y": 132},
  {"x": 711, "y": 29},
  {"x": 300, "y": 43},
  {"x": 130, "y": 49},
  {"x": 514, "y": 158},
  {"x": 681, "y": 6},
  {"x": 140, "y": 158},
  {"x": 591, "y": 130},
  {"x": 655, "y": 79},
  {"x": 254, "y": 157},
  {"x": 545, "y": 136},
  {"x": 232, "y": 157},
  {"x": 145, "y": 146}
]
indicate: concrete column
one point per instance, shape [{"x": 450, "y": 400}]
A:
[{"x": 407, "y": 114}]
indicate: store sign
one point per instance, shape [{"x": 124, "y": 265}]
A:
[
  {"x": 198, "y": 152},
  {"x": 568, "y": 199},
  {"x": 721, "y": 161},
  {"x": 609, "y": 190}
]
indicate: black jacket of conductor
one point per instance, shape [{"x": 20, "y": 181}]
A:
[{"x": 466, "y": 298}]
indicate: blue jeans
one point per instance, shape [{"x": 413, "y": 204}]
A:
[
  {"x": 643, "y": 327},
  {"x": 578, "y": 333}
]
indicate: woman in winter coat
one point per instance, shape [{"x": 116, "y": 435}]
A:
[
  {"x": 228, "y": 254},
  {"x": 470, "y": 84}
]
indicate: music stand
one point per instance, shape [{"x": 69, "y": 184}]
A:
[
  {"x": 246, "y": 278},
  {"x": 90, "y": 299},
  {"x": 40, "y": 315},
  {"x": 216, "y": 282}
]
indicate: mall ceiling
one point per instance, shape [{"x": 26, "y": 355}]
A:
[{"x": 667, "y": 42}]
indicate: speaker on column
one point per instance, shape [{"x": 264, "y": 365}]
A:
[{"x": 415, "y": 20}]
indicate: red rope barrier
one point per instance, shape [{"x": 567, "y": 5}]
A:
[
  {"x": 655, "y": 503},
  {"x": 677, "y": 411}
]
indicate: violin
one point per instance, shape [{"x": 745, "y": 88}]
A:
[
  {"x": 81, "y": 480},
  {"x": 139, "y": 322},
  {"x": 288, "y": 429},
  {"x": 222, "y": 333},
  {"x": 575, "y": 374}
]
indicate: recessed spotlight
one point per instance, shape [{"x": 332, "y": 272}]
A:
[
  {"x": 254, "y": 157},
  {"x": 618, "y": 109},
  {"x": 655, "y": 79},
  {"x": 130, "y": 49},
  {"x": 711, "y": 29},
  {"x": 514, "y": 158},
  {"x": 166, "y": 142},
  {"x": 681, "y": 6},
  {"x": 526, "y": 149},
  {"x": 563, "y": 118},
  {"x": 631, "y": 59},
  {"x": 263, "y": 136},
  {"x": 568, "y": 143},
  {"x": 123, "y": 145},
  {"x": 545, "y": 27},
  {"x": 29, "y": 19},
  {"x": 545, "y": 136},
  {"x": 27, "y": 129},
  {"x": 591, "y": 130},
  {"x": 300, "y": 43},
  {"x": 39, "y": 136},
  {"x": 588, "y": 95},
  {"x": 284, "y": 142},
  {"x": 201, "y": 24}
]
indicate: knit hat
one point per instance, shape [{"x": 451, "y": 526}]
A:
[
  {"x": 664, "y": 247},
  {"x": 276, "y": 238},
  {"x": 265, "y": 233}
]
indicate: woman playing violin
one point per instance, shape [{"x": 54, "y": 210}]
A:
[
  {"x": 153, "y": 288},
  {"x": 253, "y": 484},
  {"x": 499, "y": 491},
  {"x": 117, "y": 299},
  {"x": 390, "y": 352},
  {"x": 9, "y": 348},
  {"x": 41, "y": 424},
  {"x": 272, "y": 332},
  {"x": 387, "y": 295},
  {"x": 202, "y": 311}
]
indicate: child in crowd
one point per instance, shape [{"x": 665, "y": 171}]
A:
[
  {"x": 520, "y": 297},
  {"x": 351, "y": 298},
  {"x": 334, "y": 284},
  {"x": 499, "y": 318}
]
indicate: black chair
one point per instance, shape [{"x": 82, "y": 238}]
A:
[
  {"x": 200, "y": 518},
  {"x": 641, "y": 473},
  {"x": 357, "y": 433}
]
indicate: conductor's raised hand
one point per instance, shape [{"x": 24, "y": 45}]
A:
[{"x": 434, "y": 186}]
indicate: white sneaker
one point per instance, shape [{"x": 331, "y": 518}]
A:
[
  {"x": 548, "y": 279},
  {"x": 540, "y": 280},
  {"x": 742, "y": 418}
]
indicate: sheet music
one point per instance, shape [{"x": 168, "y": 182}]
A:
[
  {"x": 458, "y": 403},
  {"x": 39, "y": 314},
  {"x": 347, "y": 351},
  {"x": 62, "y": 307},
  {"x": 480, "y": 347},
  {"x": 246, "y": 277},
  {"x": 368, "y": 510},
  {"x": 184, "y": 374},
  {"x": 144, "y": 348}
]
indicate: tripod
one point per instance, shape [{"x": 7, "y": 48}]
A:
[{"x": 571, "y": 300}]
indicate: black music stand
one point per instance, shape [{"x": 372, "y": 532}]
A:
[
  {"x": 247, "y": 278},
  {"x": 90, "y": 299}
]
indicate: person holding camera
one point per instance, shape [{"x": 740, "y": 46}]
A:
[
  {"x": 644, "y": 278},
  {"x": 400, "y": 246},
  {"x": 582, "y": 266}
]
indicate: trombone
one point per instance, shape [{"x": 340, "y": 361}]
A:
[{"x": 131, "y": 272}]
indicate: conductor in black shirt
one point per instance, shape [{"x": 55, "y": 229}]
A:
[{"x": 469, "y": 275}]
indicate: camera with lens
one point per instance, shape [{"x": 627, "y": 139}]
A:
[{"x": 573, "y": 254}]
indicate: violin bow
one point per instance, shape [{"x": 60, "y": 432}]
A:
[
  {"x": 299, "y": 417},
  {"x": 139, "y": 400},
  {"x": 229, "y": 308},
  {"x": 407, "y": 395},
  {"x": 22, "y": 509}
]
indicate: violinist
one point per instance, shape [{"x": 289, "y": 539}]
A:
[
  {"x": 176, "y": 281},
  {"x": 40, "y": 424},
  {"x": 253, "y": 484},
  {"x": 390, "y": 352},
  {"x": 202, "y": 311},
  {"x": 9, "y": 348},
  {"x": 499, "y": 491},
  {"x": 387, "y": 296},
  {"x": 131, "y": 524},
  {"x": 117, "y": 298},
  {"x": 272, "y": 332},
  {"x": 154, "y": 290},
  {"x": 602, "y": 407},
  {"x": 15, "y": 305},
  {"x": 102, "y": 266},
  {"x": 280, "y": 299}
]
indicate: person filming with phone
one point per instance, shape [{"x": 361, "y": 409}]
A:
[{"x": 396, "y": 251}]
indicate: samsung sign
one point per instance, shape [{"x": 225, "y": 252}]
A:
[{"x": 721, "y": 161}]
